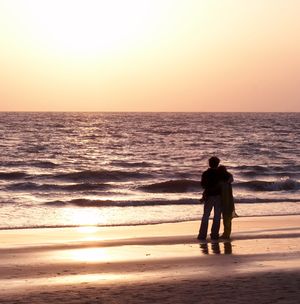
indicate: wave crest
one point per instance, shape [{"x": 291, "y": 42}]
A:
[
  {"x": 282, "y": 185},
  {"x": 111, "y": 203},
  {"x": 173, "y": 186},
  {"x": 82, "y": 202}
]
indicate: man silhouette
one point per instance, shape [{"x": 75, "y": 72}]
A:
[{"x": 210, "y": 181}]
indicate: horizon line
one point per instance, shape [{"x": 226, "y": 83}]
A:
[{"x": 54, "y": 111}]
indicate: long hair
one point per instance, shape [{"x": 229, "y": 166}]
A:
[{"x": 223, "y": 173}]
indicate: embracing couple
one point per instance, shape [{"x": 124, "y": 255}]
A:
[{"x": 217, "y": 195}]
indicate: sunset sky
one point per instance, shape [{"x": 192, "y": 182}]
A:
[{"x": 150, "y": 55}]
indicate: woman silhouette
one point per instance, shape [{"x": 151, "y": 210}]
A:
[{"x": 227, "y": 202}]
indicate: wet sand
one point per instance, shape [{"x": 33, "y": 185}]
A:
[{"x": 153, "y": 264}]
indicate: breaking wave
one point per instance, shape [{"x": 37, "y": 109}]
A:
[
  {"x": 173, "y": 186},
  {"x": 181, "y": 186},
  {"x": 251, "y": 171},
  {"x": 121, "y": 203},
  {"x": 159, "y": 202},
  {"x": 258, "y": 185}
]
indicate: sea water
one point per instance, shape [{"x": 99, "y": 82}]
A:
[{"x": 77, "y": 169}]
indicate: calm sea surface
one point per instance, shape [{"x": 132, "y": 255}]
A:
[{"x": 76, "y": 169}]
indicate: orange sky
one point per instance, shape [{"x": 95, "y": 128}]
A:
[{"x": 150, "y": 55}]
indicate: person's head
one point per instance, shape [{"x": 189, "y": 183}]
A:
[
  {"x": 214, "y": 162},
  {"x": 223, "y": 173},
  {"x": 222, "y": 169}
]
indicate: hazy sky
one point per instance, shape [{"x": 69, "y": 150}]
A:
[{"x": 150, "y": 55}]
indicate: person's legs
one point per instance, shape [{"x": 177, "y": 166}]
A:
[
  {"x": 217, "y": 218},
  {"x": 227, "y": 225},
  {"x": 208, "y": 205}
]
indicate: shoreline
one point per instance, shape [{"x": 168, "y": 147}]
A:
[
  {"x": 135, "y": 225},
  {"x": 143, "y": 264}
]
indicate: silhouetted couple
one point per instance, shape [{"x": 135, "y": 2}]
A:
[{"x": 217, "y": 195}]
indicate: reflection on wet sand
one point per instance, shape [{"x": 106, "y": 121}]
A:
[{"x": 214, "y": 248}]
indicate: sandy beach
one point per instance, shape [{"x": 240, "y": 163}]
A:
[{"x": 153, "y": 264}]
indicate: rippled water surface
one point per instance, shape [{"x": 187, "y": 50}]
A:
[{"x": 69, "y": 169}]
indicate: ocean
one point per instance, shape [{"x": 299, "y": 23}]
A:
[{"x": 109, "y": 169}]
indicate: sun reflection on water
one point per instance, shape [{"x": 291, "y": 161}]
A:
[
  {"x": 87, "y": 229},
  {"x": 87, "y": 219},
  {"x": 88, "y": 255}
]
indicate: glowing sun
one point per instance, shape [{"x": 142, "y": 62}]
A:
[{"x": 92, "y": 26}]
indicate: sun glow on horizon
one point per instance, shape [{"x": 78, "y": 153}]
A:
[
  {"x": 89, "y": 27},
  {"x": 149, "y": 55}
]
